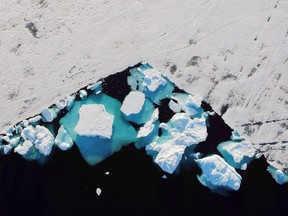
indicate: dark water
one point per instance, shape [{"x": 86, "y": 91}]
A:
[{"x": 66, "y": 184}]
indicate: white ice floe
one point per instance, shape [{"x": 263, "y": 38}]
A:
[
  {"x": 94, "y": 121},
  {"x": 153, "y": 79},
  {"x": 279, "y": 176},
  {"x": 23, "y": 148},
  {"x": 44, "y": 140},
  {"x": 240, "y": 152},
  {"x": 83, "y": 94},
  {"x": 175, "y": 107},
  {"x": 217, "y": 173},
  {"x": 48, "y": 114},
  {"x": 133, "y": 103},
  {"x": 63, "y": 139},
  {"x": 70, "y": 101},
  {"x": 13, "y": 141},
  {"x": 149, "y": 126},
  {"x": 34, "y": 120},
  {"x": 98, "y": 191},
  {"x": 107, "y": 173}
]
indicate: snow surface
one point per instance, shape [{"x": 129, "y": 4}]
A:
[
  {"x": 230, "y": 52},
  {"x": 94, "y": 121},
  {"x": 217, "y": 173}
]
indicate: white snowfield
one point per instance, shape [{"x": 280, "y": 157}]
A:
[{"x": 232, "y": 53}]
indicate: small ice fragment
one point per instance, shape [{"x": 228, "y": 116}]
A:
[
  {"x": 29, "y": 133},
  {"x": 97, "y": 87},
  {"x": 10, "y": 130},
  {"x": 175, "y": 107},
  {"x": 24, "y": 148},
  {"x": 34, "y": 120},
  {"x": 83, "y": 94},
  {"x": 24, "y": 123},
  {"x": 149, "y": 126},
  {"x": 94, "y": 121},
  {"x": 63, "y": 139},
  {"x": 164, "y": 177},
  {"x": 70, "y": 101},
  {"x": 13, "y": 141},
  {"x": 244, "y": 166},
  {"x": 48, "y": 114},
  {"x": 7, "y": 149},
  {"x": 61, "y": 104},
  {"x": 107, "y": 173},
  {"x": 133, "y": 103},
  {"x": 98, "y": 191}
]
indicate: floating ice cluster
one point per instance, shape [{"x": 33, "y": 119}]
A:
[{"x": 147, "y": 109}]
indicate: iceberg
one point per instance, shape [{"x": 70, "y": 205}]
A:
[
  {"x": 216, "y": 173},
  {"x": 48, "y": 114},
  {"x": 63, "y": 139}
]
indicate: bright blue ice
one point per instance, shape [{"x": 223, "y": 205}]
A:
[
  {"x": 95, "y": 149},
  {"x": 279, "y": 176}
]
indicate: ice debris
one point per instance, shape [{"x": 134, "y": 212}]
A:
[
  {"x": 98, "y": 191},
  {"x": 279, "y": 176},
  {"x": 216, "y": 173},
  {"x": 94, "y": 121},
  {"x": 63, "y": 139}
]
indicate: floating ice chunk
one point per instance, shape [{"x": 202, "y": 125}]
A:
[
  {"x": 133, "y": 103},
  {"x": 63, "y": 139},
  {"x": 24, "y": 148},
  {"x": 175, "y": 107},
  {"x": 237, "y": 153},
  {"x": 83, "y": 94},
  {"x": 217, "y": 173},
  {"x": 98, "y": 191},
  {"x": 107, "y": 173},
  {"x": 24, "y": 123},
  {"x": 29, "y": 133},
  {"x": 44, "y": 140},
  {"x": 7, "y": 148},
  {"x": 94, "y": 121},
  {"x": 10, "y": 130},
  {"x": 61, "y": 104},
  {"x": 236, "y": 136},
  {"x": 164, "y": 177},
  {"x": 279, "y": 176},
  {"x": 34, "y": 120},
  {"x": 153, "y": 79},
  {"x": 14, "y": 140},
  {"x": 244, "y": 166},
  {"x": 48, "y": 114},
  {"x": 70, "y": 101},
  {"x": 96, "y": 88}
]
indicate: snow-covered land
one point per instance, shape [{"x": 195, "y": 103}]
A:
[{"x": 232, "y": 53}]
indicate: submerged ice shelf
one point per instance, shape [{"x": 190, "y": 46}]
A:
[{"x": 145, "y": 108}]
